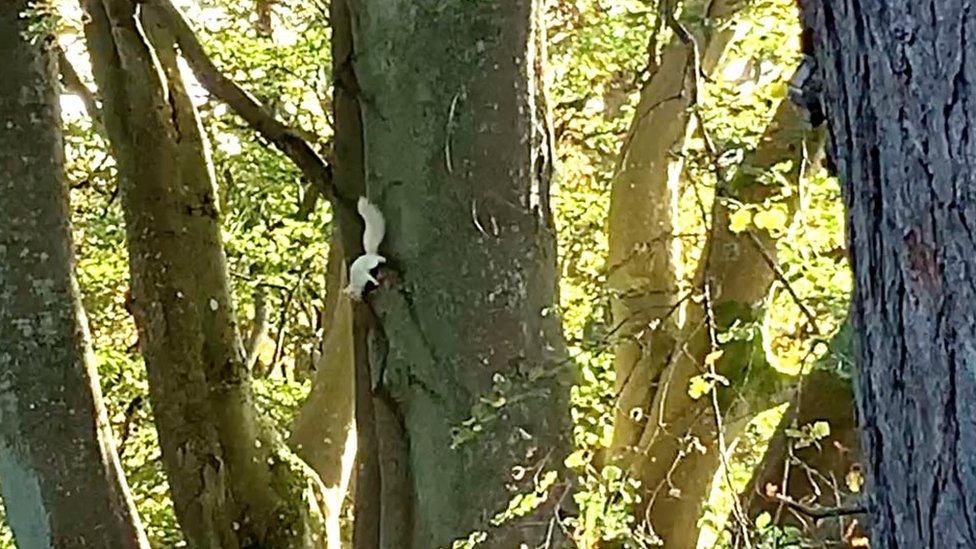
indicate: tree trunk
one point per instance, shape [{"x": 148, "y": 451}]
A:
[
  {"x": 897, "y": 82},
  {"x": 658, "y": 425},
  {"x": 234, "y": 482},
  {"x": 643, "y": 280},
  {"x": 454, "y": 148},
  {"x": 62, "y": 484},
  {"x": 324, "y": 432},
  {"x": 736, "y": 271}
]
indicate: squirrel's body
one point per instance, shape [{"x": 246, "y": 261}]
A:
[{"x": 361, "y": 270}]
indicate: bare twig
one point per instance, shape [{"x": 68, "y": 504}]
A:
[
  {"x": 697, "y": 78},
  {"x": 652, "y": 48},
  {"x": 737, "y": 509},
  {"x": 643, "y": 247},
  {"x": 283, "y": 326},
  {"x": 774, "y": 266},
  {"x": 258, "y": 330},
  {"x": 818, "y": 512},
  {"x": 260, "y": 284}
]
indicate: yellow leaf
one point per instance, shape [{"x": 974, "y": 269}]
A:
[
  {"x": 576, "y": 460},
  {"x": 854, "y": 480},
  {"x": 698, "y": 387},
  {"x": 820, "y": 430},
  {"x": 607, "y": 437},
  {"x": 772, "y": 220},
  {"x": 739, "y": 220},
  {"x": 266, "y": 350}
]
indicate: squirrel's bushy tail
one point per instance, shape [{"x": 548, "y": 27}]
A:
[{"x": 375, "y": 225}]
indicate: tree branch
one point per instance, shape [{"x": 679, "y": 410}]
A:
[
  {"x": 817, "y": 512},
  {"x": 774, "y": 267},
  {"x": 130, "y": 413},
  {"x": 74, "y": 85},
  {"x": 258, "y": 330},
  {"x": 316, "y": 169}
]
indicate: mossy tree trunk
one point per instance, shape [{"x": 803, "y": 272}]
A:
[
  {"x": 441, "y": 120},
  {"x": 61, "y": 480},
  {"x": 233, "y": 481},
  {"x": 323, "y": 432},
  {"x": 897, "y": 83}
]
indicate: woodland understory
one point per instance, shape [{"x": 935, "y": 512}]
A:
[{"x": 615, "y": 306}]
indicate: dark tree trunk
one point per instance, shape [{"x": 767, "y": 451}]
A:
[
  {"x": 441, "y": 120},
  {"x": 897, "y": 79},
  {"x": 61, "y": 481}
]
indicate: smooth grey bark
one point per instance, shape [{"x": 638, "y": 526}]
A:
[
  {"x": 441, "y": 121},
  {"x": 897, "y": 79},
  {"x": 60, "y": 477}
]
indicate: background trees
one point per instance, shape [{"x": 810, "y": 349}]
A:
[
  {"x": 697, "y": 285},
  {"x": 716, "y": 278}
]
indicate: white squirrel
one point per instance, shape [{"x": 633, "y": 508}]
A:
[{"x": 360, "y": 272}]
